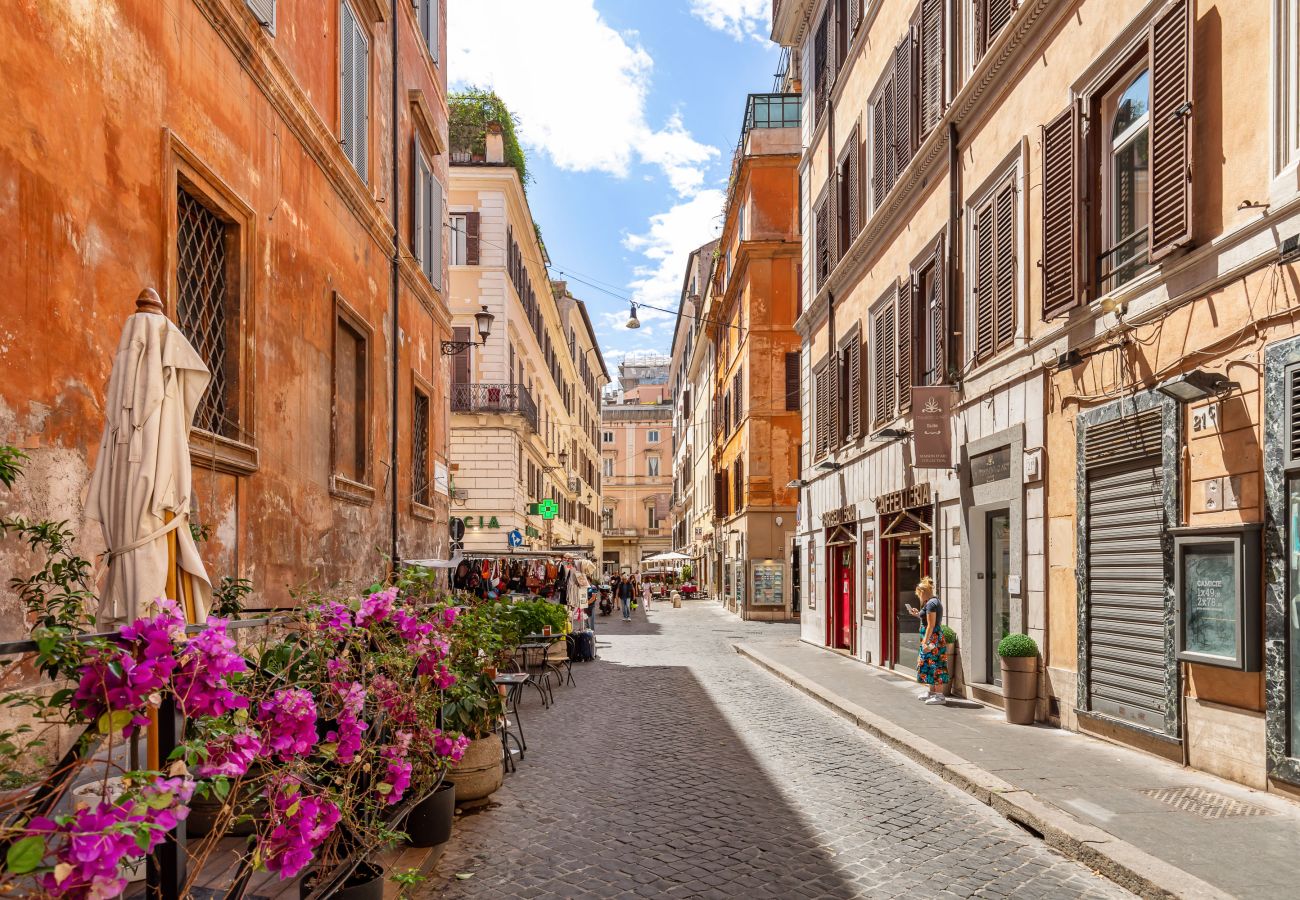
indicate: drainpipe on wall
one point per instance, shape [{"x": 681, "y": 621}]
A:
[{"x": 395, "y": 336}]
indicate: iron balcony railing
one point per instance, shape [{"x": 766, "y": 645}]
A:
[{"x": 494, "y": 398}]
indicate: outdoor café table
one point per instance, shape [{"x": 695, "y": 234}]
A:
[
  {"x": 514, "y": 683},
  {"x": 549, "y": 664},
  {"x": 543, "y": 670}
]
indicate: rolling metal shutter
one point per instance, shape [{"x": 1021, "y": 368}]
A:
[{"x": 1127, "y": 671}]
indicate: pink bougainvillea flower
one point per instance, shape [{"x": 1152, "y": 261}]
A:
[
  {"x": 230, "y": 755},
  {"x": 208, "y": 659},
  {"x": 299, "y": 823},
  {"x": 350, "y": 726},
  {"x": 449, "y": 616},
  {"x": 376, "y": 608},
  {"x": 288, "y": 722},
  {"x": 334, "y": 616}
]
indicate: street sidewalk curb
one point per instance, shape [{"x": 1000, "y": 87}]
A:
[{"x": 1123, "y": 863}]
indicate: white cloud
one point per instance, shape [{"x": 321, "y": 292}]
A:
[
  {"x": 578, "y": 86},
  {"x": 738, "y": 18},
  {"x": 666, "y": 244}
]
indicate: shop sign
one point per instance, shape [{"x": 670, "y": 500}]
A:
[
  {"x": 932, "y": 426},
  {"x": 769, "y": 583},
  {"x": 842, "y": 516},
  {"x": 992, "y": 466},
  {"x": 907, "y": 498},
  {"x": 482, "y": 522},
  {"x": 531, "y": 532}
]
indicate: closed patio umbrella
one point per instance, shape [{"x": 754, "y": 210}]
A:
[{"x": 140, "y": 490}]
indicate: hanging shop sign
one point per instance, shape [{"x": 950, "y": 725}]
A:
[
  {"x": 547, "y": 509},
  {"x": 530, "y": 531},
  {"x": 1216, "y": 581},
  {"x": 987, "y": 468},
  {"x": 768, "y": 583},
  {"x": 842, "y": 516},
  {"x": 932, "y": 426}
]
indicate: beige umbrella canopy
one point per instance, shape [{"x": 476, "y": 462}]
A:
[{"x": 140, "y": 490}]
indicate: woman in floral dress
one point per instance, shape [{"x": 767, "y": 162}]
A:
[{"x": 932, "y": 663}]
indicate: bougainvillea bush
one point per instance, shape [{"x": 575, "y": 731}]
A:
[{"x": 317, "y": 737}]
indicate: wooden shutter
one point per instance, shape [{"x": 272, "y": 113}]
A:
[
  {"x": 984, "y": 282},
  {"x": 720, "y": 494},
  {"x": 264, "y": 12},
  {"x": 1004, "y": 225},
  {"x": 904, "y": 107},
  {"x": 991, "y": 16},
  {"x": 820, "y": 66},
  {"x": 855, "y": 15},
  {"x": 822, "y": 411},
  {"x": 834, "y": 421},
  {"x": 938, "y": 313},
  {"x": 853, "y": 377},
  {"x": 460, "y": 362},
  {"x": 930, "y": 66},
  {"x": 1171, "y": 129},
  {"x": 1062, "y": 211},
  {"x": 737, "y": 393},
  {"x": 880, "y": 117},
  {"x": 885, "y": 360},
  {"x": 792, "y": 381},
  {"x": 347, "y": 98},
  {"x": 906, "y": 352},
  {"x": 822, "y": 226},
  {"x": 854, "y": 186},
  {"x": 472, "y": 238}
]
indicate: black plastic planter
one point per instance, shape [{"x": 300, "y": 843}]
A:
[
  {"x": 429, "y": 823},
  {"x": 365, "y": 883}
]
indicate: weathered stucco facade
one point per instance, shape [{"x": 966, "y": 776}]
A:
[{"x": 129, "y": 128}]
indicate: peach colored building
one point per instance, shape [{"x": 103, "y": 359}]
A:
[
  {"x": 1058, "y": 223},
  {"x": 636, "y": 459}
]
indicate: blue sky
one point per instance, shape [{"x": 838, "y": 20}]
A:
[{"x": 629, "y": 111}]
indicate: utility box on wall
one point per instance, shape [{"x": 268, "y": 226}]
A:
[{"x": 1216, "y": 583}]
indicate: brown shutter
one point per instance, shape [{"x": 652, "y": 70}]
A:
[
  {"x": 901, "y": 136},
  {"x": 822, "y": 412},
  {"x": 985, "y": 340},
  {"x": 1062, "y": 212},
  {"x": 1171, "y": 129},
  {"x": 1005, "y": 238},
  {"x": 930, "y": 67},
  {"x": 854, "y": 375},
  {"x": 720, "y": 494},
  {"x": 855, "y": 189},
  {"x": 821, "y": 65},
  {"x": 834, "y": 422},
  {"x": 939, "y": 315},
  {"x": 792, "y": 381},
  {"x": 885, "y": 350},
  {"x": 460, "y": 362},
  {"x": 880, "y": 147},
  {"x": 864, "y": 406},
  {"x": 822, "y": 227},
  {"x": 991, "y": 16},
  {"x": 471, "y": 239},
  {"x": 855, "y": 15},
  {"x": 906, "y": 351}
]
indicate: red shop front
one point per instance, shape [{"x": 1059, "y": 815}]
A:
[{"x": 841, "y": 587}]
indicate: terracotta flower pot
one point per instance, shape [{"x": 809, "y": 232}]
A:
[
  {"x": 1020, "y": 688},
  {"x": 480, "y": 771}
]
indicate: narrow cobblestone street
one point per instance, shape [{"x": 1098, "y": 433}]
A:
[{"x": 677, "y": 768}]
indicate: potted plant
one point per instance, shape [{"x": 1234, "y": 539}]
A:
[
  {"x": 949, "y": 658},
  {"x": 474, "y": 707},
  {"x": 430, "y": 822},
  {"x": 1019, "y": 655}
]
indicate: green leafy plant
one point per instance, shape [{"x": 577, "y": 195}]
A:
[
  {"x": 228, "y": 596},
  {"x": 949, "y": 635},
  {"x": 11, "y": 464},
  {"x": 532, "y": 616},
  {"x": 471, "y": 110},
  {"x": 1017, "y": 646}
]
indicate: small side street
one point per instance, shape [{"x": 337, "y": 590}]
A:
[{"x": 710, "y": 778}]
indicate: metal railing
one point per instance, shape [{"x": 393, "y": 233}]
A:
[
  {"x": 494, "y": 398},
  {"x": 1123, "y": 262},
  {"x": 773, "y": 111}
]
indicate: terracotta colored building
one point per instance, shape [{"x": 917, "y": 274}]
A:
[
  {"x": 750, "y": 314},
  {"x": 1061, "y": 222},
  {"x": 275, "y": 170}
]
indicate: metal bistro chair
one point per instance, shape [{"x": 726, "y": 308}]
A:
[
  {"x": 540, "y": 671},
  {"x": 514, "y": 683}
]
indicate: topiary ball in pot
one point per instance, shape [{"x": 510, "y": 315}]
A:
[
  {"x": 1017, "y": 646},
  {"x": 1019, "y": 656}
]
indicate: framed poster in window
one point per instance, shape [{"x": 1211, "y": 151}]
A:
[
  {"x": 1216, "y": 583},
  {"x": 768, "y": 583}
]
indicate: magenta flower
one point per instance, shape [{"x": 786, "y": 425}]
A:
[
  {"x": 334, "y": 616},
  {"x": 299, "y": 823},
  {"x": 288, "y": 722},
  {"x": 412, "y": 630},
  {"x": 209, "y": 658},
  {"x": 451, "y": 748},
  {"x": 350, "y": 726},
  {"x": 130, "y": 678},
  {"x": 230, "y": 755},
  {"x": 376, "y": 608},
  {"x": 449, "y": 616},
  {"x": 398, "y": 777}
]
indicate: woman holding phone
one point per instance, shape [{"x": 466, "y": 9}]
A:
[{"x": 932, "y": 662}]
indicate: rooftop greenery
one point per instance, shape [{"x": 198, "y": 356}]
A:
[{"x": 471, "y": 111}]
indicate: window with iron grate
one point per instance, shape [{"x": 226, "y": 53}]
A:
[
  {"x": 420, "y": 448},
  {"x": 207, "y": 308}
]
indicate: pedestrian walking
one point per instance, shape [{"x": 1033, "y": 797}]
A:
[
  {"x": 645, "y": 593},
  {"x": 625, "y": 592},
  {"x": 932, "y": 662}
]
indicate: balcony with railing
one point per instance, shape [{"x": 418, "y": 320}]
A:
[{"x": 502, "y": 399}]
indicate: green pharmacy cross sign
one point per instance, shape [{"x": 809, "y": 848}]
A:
[{"x": 547, "y": 509}]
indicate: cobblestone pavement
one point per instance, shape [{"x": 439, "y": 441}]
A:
[{"x": 676, "y": 768}]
